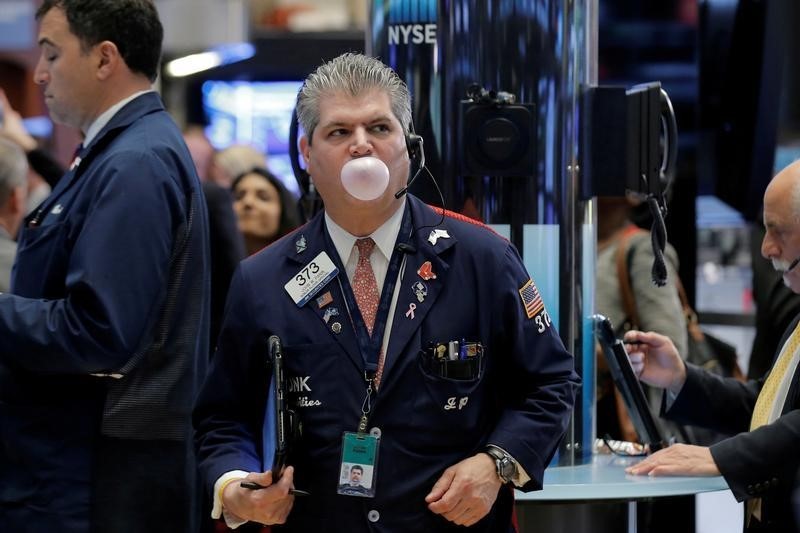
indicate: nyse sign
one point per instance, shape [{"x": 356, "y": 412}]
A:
[
  {"x": 412, "y": 33},
  {"x": 409, "y": 22}
]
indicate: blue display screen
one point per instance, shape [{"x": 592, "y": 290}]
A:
[{"x": 253, "y": 112}]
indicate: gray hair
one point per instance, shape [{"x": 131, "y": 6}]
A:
[
  {"x": 352, "y": 74},
  {"x": 237, "y": 159},
  {"x": 13, "y": 168}
]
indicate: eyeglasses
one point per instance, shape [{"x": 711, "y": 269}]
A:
[{"x": 624, "y": 449}]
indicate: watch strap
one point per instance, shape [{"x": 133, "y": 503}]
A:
[{"x": 505, "y": 465}]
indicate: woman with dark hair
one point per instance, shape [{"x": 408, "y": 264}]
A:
[{"x": 265, "y": 209}]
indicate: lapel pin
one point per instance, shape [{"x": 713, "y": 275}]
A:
[
  {"x": 324, "y": 300},
  {"x": 420, "y": 291},
  {"x": 410, "y": 313},
  {"x": 426, "y": 271},
  {"x": 300, "y": 244},
  {"x": 437, "y": 234},
  {"x": 330, "y": 312},
  {"x": 336, "y": 327}
]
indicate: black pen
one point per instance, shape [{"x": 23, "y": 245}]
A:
[{"x": 252, "y": 485}]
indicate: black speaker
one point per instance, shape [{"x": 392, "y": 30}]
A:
[
  {"x": 630, "y": 140},
  {"x": 498, "y": 139}
]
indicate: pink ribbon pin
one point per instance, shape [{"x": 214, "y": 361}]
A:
[{"x": 410, "y": 312}]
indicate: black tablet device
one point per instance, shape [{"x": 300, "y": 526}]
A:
[
  {"x": 628, "y": 384},
  {"x": 281, "y": 425},
  {"x": 282, "y": 414}
]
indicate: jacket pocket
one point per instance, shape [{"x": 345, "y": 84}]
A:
[
  {"x": 42, "y": 259},
  {"x": 451, "y": 408}
]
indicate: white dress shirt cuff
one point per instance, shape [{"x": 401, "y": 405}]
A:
[{"x": 217, "y": 511}]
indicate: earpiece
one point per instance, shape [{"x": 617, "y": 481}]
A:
[
  {"x": 414, "y": 146},
  {"x": 416, "y": 153},
  {"x": 310, "y": 201}
]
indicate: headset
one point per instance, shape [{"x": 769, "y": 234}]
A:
[
  {"x": 416, "y": 154},
  {"x": 415, "y": 147},
  {"x": 310, "y": 202}
]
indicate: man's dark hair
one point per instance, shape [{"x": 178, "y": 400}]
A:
[
  {"x": 132, "y": 25},
  {"x": 357, "y": 467}
]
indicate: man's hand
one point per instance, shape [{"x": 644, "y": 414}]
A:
[
  {"x": 265, "y": 506},
  {"x": 655, "y": 360},
  {"x": 12, "y": 127},
  {"x": 677, "y": 460},
  {"x": 466, "y": 491}
]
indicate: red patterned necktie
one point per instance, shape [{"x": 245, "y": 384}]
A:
[{"x": 365, "y": 289}]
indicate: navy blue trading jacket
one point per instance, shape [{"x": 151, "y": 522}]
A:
[
  {"x": 520, "y": 401},
  {"x": 111, "y": 278}
]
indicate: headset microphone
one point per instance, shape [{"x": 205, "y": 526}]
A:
[
  {"x": 404, "y": 190},
  {"x": 415, "y": 151},
  {"x": 406, "y": 248},
  {"x": 792, "y": 265}
]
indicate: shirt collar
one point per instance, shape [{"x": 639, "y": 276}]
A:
[
  {"x": 385, "y": 236},
  {"x": 104, "y": 118}
]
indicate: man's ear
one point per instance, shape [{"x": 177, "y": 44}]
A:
[
  {"x": 108, "y": 59},
  {"x": 305, "y": 149}
]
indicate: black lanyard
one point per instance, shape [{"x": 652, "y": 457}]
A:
[{"x": 370, "y": 346}]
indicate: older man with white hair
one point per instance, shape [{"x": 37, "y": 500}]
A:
[{"x": 759, "y": 463}]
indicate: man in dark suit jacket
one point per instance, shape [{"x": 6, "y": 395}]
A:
[
  {"x": 103, "y": 338},
  {"x": 761, "y": 462},
  {"x": 476, "y": 386},
  {"x": 226, "y": 242}
]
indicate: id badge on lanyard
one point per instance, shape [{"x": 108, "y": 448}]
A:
[{"x": 358, "y": 466}]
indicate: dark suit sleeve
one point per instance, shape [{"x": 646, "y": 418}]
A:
[
  {"x": 714, "y": 402},
  {"x": 230, "y": 409},
  {"x": 115, "y": 276},
  {"x": 538, "y": 381},
  {"x": 227, "y": 249},
  {"x": 754, "y": 463},
  {"x": 762, "y": 461}
]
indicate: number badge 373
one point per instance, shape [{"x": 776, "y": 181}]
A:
[{"x": 310, "y": 279}]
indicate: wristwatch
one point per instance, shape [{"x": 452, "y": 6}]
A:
[{"x": 504, "y": 463}]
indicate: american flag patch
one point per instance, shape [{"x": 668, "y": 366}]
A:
[
  {"x": 531, "y": 299},
  {"x": 324, "y": 300}
]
